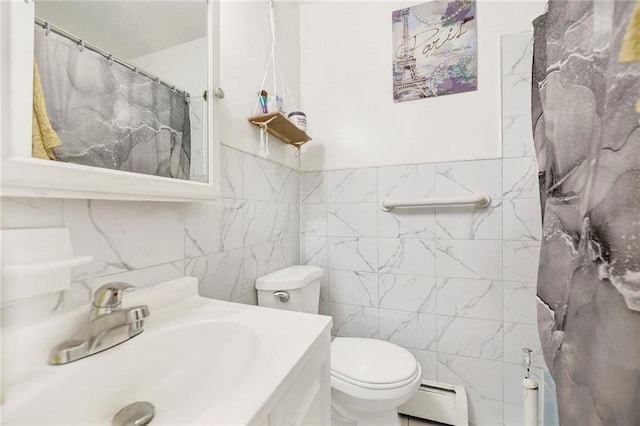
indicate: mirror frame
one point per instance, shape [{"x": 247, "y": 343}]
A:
[{"x": 24, "y": 176}]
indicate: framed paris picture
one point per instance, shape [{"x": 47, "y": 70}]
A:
[{"x": 435, "y": 50}]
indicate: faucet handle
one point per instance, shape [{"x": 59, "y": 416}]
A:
[{"x": 108, "y": 298}]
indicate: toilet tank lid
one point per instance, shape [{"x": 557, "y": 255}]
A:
[{"x": 290, "y": 278}]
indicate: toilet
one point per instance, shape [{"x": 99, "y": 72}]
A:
[{"x": 369, "y": 378}]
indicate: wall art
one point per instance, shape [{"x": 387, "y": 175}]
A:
[{"x": 434, "y": 50}]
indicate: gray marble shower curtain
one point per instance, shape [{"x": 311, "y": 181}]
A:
[
  {"x": 587, "y": 141},
  {"x": 109, "y": 116}
]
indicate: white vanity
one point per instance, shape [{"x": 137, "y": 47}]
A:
[{"x": 198, "y": 361}]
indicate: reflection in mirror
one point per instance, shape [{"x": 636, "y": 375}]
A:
[{"x": 120, "y": 85}]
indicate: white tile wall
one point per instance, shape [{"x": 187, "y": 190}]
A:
[
  {"x": 520, "y": 302},
  {"x": 467, "y": 177},
  {"x": 454, "y": 285},
  {"x": 253, "y": 230},
  {"x": 352, "y": 220},
  {"x": 413, "y": 293},
  {"x": 521, "y": 260},
  {"x": 354, "y": 320},
  {"x": 416, "y": 181},
  {"x": 354, "y": 288},
  {"x": 30, "y": 213},
  {"x": 313, "y": 188},
  {"x": 428, "y": 361},
  {"x": 516, "y": 98},
  {"x": 469, "y": 259},
  {"x": 522, "y": 219},
  {"x": 413, "y": 330},
  {"x": 517, "y": 136},
  {"x": 480, "y": 377},
  {"x": 313, "y": 220},
  {"x": 470, "y": 223},
  {"x": 314, "y": 251},
  {"x": 519, "y": 177},
  {"x": 123, "y": 236},
  {"x": 470, "y": 337},
  {"x": 409, "y": 223},
  {"x": 406, "y": 256},
  {"x": 465, "y": 298},
  {"x": 266, "y": 181},
  {"x": 431, "y": 280},
  {"x": 352, "y": 186},
  {"x": 353, "y": 254}
]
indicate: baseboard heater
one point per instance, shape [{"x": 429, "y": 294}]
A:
[{"x": 438, "y": 402}]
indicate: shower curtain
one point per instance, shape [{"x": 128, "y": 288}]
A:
[
  {"x": 109, "y": 116},
  {"x": 587, "y": 139}
]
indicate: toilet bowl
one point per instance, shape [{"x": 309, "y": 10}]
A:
[{"x": 369, "y": 378}]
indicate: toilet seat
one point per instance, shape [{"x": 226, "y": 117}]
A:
[
  {"x": 374, "y": 386},
  {"x": 376, "y": 365},
  {"x": 372, "y": 394}
]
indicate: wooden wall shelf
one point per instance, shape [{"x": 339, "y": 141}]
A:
[{"x": 281, "y": 128}]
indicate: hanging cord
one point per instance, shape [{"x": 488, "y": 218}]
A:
[
  {"x": 276, "y": 72},
  {"x": 264, "y": 136},
  {"x": 274, "y": 45},
  {"x": 272, "y": 57}
]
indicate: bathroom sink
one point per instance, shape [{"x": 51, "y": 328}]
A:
[
  {"x": 156, "y": 366},
  {"x": 199, "y": 361}
]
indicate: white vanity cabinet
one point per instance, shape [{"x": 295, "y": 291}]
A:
[
  {"x": 199, "y": 361},
  {"x": 307, "y": 400}
]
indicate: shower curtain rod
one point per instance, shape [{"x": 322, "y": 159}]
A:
[{"x": 56, "y": 30}]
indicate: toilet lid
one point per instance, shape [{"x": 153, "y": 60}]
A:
[{"x": 371, "y": 361}]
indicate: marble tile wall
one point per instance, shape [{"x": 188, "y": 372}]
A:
[
  {"x": 453, "y": 285},
  {"x": 522, "y": 224},
  {"x": 252, "y": 230}
]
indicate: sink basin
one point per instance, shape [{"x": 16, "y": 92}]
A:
[
  {"x": 151, "y": 368},
  {"x": 199, "y": 361}
]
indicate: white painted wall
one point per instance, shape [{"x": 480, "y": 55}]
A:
[
  {"x": 346, "y": 89},
  {"x": 245, "y": 48},
  {"x": 128, "y": 29},
  {"x": 184, "y": 65}
]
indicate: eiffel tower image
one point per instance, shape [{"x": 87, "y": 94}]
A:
[{"x": 406, "y": 78}]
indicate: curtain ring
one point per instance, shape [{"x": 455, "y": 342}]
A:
[
  {"x": 156, "y": 80},
  {"x": 47, "y": 28},
  {"x": 81, "y": 45},
  {"x": 110, "y": 59},
  {"x": 135, "y": 70}
]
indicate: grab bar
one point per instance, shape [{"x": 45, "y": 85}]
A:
[{"x": 478, "y": 200}]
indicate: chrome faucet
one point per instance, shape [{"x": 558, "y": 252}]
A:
[{"x": 108, "y": 325}]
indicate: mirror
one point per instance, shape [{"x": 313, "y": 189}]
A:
[{"x": 121, "y": 85}]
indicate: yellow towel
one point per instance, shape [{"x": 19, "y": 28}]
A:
[
  {"x": 630, "y": 50},
  {"x": 44, "y": 138}
]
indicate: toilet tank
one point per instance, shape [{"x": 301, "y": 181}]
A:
[{"x": 296, "y": 288}]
